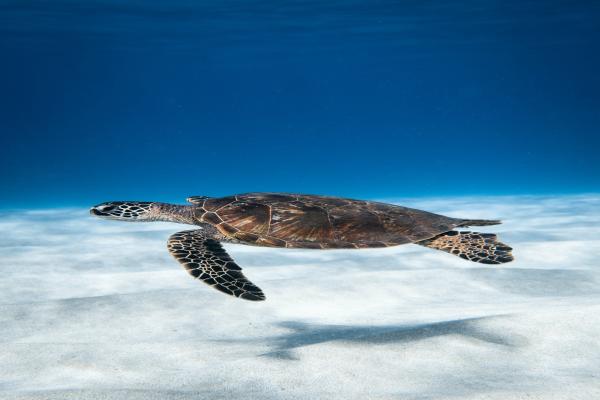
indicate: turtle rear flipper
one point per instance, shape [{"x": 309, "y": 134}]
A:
[
  {"x": 204, "y": 258},
  {"x": 473, "y": 246}
]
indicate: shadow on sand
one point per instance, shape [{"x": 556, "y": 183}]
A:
[{"x": 302, "y": 335}]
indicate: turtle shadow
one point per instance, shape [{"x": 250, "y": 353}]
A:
[{"x": 302, "y": 334}]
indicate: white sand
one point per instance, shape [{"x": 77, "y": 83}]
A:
[{"x": 93, "y": 309}]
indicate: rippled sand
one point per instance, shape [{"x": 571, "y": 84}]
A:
[{"x": 93, "y": 309}]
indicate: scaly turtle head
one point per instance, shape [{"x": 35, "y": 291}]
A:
[{"x": 126, "y": 210}]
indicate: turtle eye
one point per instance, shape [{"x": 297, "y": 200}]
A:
[{"x": 106, "y": 208}]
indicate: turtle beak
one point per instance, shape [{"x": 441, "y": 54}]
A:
[{"x": 101, "y": 210}]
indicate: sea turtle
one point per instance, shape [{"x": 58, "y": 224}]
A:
[{"x": 298, "y": 221}]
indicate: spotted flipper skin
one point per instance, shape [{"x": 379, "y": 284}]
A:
[
  {"x": 473, "y": 246},
  {"x": 204, "y": 258}
]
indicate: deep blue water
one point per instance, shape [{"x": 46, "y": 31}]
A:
[{"x": 149, "y": 100}]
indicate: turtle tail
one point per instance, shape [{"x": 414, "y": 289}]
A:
[
  {"x": 473, "y": 246},
  {"x": 479, "y": 222}
]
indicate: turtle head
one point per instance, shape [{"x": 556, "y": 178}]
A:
[{"x": 125, "y": 210}]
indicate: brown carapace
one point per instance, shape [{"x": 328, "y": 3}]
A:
[{"x": 299, "y": 221}]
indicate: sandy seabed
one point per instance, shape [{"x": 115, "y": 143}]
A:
[{"x": 93, "y": 309}]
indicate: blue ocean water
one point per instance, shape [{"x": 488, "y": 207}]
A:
[{"x": 158, "y": 100}]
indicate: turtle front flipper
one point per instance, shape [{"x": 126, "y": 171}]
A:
[{"x": 204, "y": 258}]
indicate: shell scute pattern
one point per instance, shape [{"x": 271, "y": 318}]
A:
[
  {"x": 268, "y": 198},
  {"x": 246, "y": 216},
  {"x": 215, "y": 203},
  {"x": 246, "y": 236},
  {"x": 307, "y": 221},
  {"x": 227, "y": 229},
  {"x": 212, "y": 218},
  {"x": 356, "y": 224},
  {"x": 297, "y": 221}
]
